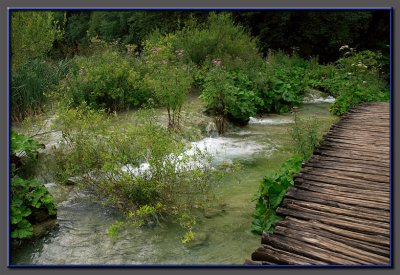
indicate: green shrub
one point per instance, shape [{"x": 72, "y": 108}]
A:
[
  {"x": 219, "y": 37},
  {"x": 305, "y": 135},
  {"x": 32, "y": 35},
  {"x": 169, "y": 78},
  {"x": 106, "y": 79},
  {"x": 362, "y": 79},
  {"x": 280, "y": 83},
  {"x": 26, "y": 195},
  {"x": 354, "y": 79},
  {"x": 229, "y": 94},
  {"x": 271, "y": 193},
  {"x": 106, "y": 159}
]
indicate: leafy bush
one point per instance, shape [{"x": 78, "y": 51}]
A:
[
  {"x": 138, "y": 166},
  {"x": 219, "y": 37},
  {"x": 107, "y": 79},
  {"x": 32, "y": 35},
  {"x": 355, "y": 78},
  {"x": 280, "y": 83},
  {"x": 364, "y": 74},
  {"x": 271, "y": 193},
  {"x": 229, "y": 94},
  {"x": 26, "y": 196},
  {"x": 168, "y": 76}
]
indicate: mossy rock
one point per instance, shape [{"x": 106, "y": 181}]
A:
[{"x": 43, "y": 228}]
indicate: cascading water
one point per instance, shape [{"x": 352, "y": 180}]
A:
[{"x": 223, "y": 235}]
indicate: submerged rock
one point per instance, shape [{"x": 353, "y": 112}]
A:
[
  {"x": 211, "y": 130},
  {"x": 200, "y": 239},
  {"x": 43, "y": 228},
  {"x": 212, "y": 212}
]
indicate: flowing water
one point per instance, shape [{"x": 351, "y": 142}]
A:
[{"x": 223, "y": 235}]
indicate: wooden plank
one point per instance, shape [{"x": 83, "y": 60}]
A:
[
  {"x": 353, "y": 146},
  {"x": 278, "y": 256},
  {"x": 359, "y": 236},
  {"x": 345, "y": 175},
  {"x": 381, "y": 234},
  {"x": 369, "y": 197},
  {"x": 317, "y": 199},
  {"x": 349, "y": 168},
  {"x": 333, "y": 245},
  {"x": 356, "y": 154},
  {"x": 306, "y": 250},
  {"x": 287, "y": 202},
  {"x": 349, "y": 239},
  {"x": 350, "y": 162},
  {"x": 302, "y": 183},
  {"x": 356, "y": 142},
  {"x": 339, "y": 210},
  {"x": 380, "y": 227},
  {"x": 362, "y": 130},
  {"x": 332, "y": 153},
  {"x": 367, "y": 150},
  {"x": 342, "y": 181},
  {"x": 306, "y": 195}
]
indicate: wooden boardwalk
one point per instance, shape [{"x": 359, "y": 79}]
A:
[{"x": 338, "y": 211}]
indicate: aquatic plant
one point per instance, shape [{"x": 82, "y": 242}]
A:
[{"x": 26, "y": 195}]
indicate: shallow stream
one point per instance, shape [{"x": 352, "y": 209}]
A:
[{"x": 223, "y": 235}]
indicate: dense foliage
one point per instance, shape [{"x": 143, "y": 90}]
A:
[
  {"x": 30, "y": 84},
  {"x": 168, "y": 76},
  {"x": 241, "y": 64},
  {"x": 270, "y": 195},
  {"x": 106, "y": 79},
  {"x": 26, "y": 195},
  {"x": 229, "y": 94},
  {"x": 147, "y": 171},
  {"x": 355, "y": 78},
  {"x": 281, "y": 82},
  {"x": 32, "y": 35},
  {"x": 285, "y": 30},
  {"x": 305, "y": 135}
]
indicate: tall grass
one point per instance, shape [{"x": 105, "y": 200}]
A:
[{"x": 29, "y": 84}]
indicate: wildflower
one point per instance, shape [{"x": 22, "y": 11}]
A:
[
  {"x": 216, "y": 62},
  {"x": 349, "y": 73},
  {"x": 155, "y": 49},
  {"x": 179, "y": 52}
]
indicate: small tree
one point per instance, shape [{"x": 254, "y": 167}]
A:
[
  {"x": 168, "y": 76},
  {"x": 32, "y": 35}
]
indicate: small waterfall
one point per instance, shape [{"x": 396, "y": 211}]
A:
[
  {"x": 270, "y": 121},
  {"x": 212, "y": 130}
]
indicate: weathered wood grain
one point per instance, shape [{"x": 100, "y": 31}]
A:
[{"x": 338, "y": 211}]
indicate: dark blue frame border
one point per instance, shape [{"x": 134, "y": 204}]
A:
[
  {"x": 391, "y": 137},
  {"x": 159, "y": 266}
]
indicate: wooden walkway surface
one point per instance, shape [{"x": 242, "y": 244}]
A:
[{"x": 338, "y": 211}]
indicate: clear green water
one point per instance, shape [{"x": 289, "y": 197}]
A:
[{"x": 224, "y": 236}]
